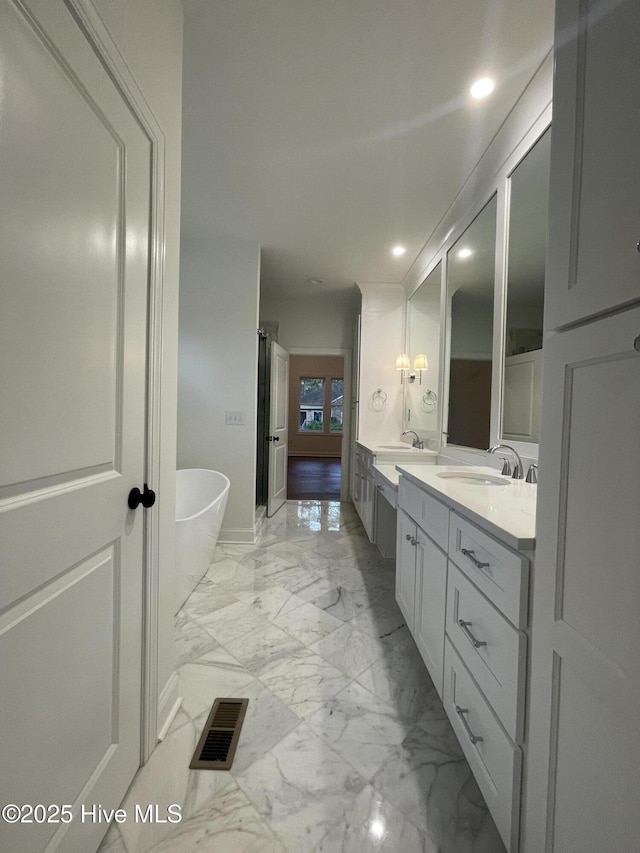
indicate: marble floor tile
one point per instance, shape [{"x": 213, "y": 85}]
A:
[
  {"x": 215, "y": 674},
  {"x": 379, "y": 621},
  {"x": 229, "y": 824},
  {"x": 346, "y": 747},
  {"x": 264, "y": 644},
  {"x": 373, "y": 825},
  {"x": 344, "y": 603},
  {"x": 360, "y": 727},
  {"x": 429, "y": 780},
  {"x": 303, "y": 680},
  {"x": 167, "y": 780},
  {"x": 207, "y": 598},
  {"x": 191, "y": 640},
  {"x": 232, "y": 622},
  {"x": 307, "y": 623},
  {"x": 272, "y": 602},
  {"x": 301, "y": 786},
  {"x": 350, "y": 649},
  {"x": 113, "y": 841},
  {"x": 396, "y": 684}
]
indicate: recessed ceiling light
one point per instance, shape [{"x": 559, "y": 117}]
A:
[
  {"x": 465, "y": 253},
  {"x": 483, "y": 87},
  {"x": 399, "y": 250},
  {"x": 314, "y": 280}
]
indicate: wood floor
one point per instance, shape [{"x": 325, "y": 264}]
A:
[{"x": 313, "y": 478}]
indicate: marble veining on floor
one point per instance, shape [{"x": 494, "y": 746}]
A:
[{"x": 346, "y": 747}]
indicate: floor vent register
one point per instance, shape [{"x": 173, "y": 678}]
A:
[{"x": 219, "y": 739}]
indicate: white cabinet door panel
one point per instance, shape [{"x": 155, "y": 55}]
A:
[
  {"x": 406, "y": 568},
  {"x": 594, "y": 216},
  {"x": 431, "y": 591},
  {"x": 584, "y": 750}
]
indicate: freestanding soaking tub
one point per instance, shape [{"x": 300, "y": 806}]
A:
[{"x": 201, "y": 499}]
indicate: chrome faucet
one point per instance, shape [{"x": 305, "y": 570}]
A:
[
  {"x": 416, "y": 441},
  {"x": 518, "y": 472},
  {"x": 532, "y": 473}
]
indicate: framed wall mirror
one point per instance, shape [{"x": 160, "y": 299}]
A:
[
  {"x": 471, "y": 263},
  {"x": 527, "y": 228},
  {"x": 422, "y": 405}
]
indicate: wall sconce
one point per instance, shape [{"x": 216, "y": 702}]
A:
[
  {"x": 420, "y": 363},
  {"x": 402, "y": 364}
]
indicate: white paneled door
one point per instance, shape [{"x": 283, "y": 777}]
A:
[
  {"x": 278, "y": 428},
  {"x": 74, "y": 264}
]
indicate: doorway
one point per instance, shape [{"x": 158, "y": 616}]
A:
[{"x": 316, "y": 418}]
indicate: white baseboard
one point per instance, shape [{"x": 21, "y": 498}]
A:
[
  {"x": 238, "y": 535},
  {"x": 169, "y": 703}
]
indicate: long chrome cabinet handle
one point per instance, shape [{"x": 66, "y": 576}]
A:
[
  {"x": 465, "y": 627},
  {"x": 473, "y": 738},
  {"x": 472, "y": 556}
]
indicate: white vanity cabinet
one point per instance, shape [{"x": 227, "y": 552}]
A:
[
  {"x": 372, "y": 495},
  {"x": 464, "y": 595}
]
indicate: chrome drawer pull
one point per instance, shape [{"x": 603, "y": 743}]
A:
[
  {"x": 465, "y": 627},
  {"x": 408, "y": 537},
  {"x": 473, "y": 738},
  {"x": 471, "y": 555},
  {"x": 379, "y": 487},
  {"x": 414, "y": 541}
]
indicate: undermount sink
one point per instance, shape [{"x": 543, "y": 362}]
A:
[
  {"x": 395, "y": 447},
  {"x": 472, "y": 478}
]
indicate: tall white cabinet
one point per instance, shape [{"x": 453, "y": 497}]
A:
[{"x": 583, "y": 768}]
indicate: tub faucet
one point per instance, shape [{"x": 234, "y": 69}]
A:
[
  {"x": 506, "y": 468},
  {"x": 416, "y": 440}
]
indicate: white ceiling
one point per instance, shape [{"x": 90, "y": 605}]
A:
[{"x": 335, "y": 129}]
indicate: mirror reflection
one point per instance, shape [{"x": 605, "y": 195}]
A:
[
  {"x": 470, "y": 296},
  {"x": 522, "y": 379},
  {"x": 422, "y": 403}
]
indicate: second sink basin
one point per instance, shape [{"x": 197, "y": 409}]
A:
[{"x": 473, "y": 478}]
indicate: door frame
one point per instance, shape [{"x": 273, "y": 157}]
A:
[
  {"x": 96, "y": 33},
  {"x": 346, "y": 426}
]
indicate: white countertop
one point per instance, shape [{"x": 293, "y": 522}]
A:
[
  {"x": 397, "y": 450},
  {"x": 508, "y": 512},
  {"x": 390, "y": 473}
]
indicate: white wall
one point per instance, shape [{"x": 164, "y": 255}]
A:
[
  {"x": 381, "y": 340},
  {"x": 318, "y": 320},
  {"x": 148, "y": 34},
  {"x": 218, "y": 357}
]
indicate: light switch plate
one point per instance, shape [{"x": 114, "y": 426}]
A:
[{"x": 234, "y": 418}]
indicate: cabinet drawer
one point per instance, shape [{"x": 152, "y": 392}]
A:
[
  {"x": 498, "y": 660},
  {"x": 384, "y": 489},
  {"x": 430, "y": 514},
  {"x": 500, "y": 573},
  {"x": 495, "y": 761}
]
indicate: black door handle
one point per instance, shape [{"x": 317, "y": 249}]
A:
[
  {"x": 276, "y": 438},
  {"x": 147, "y": 498}
]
